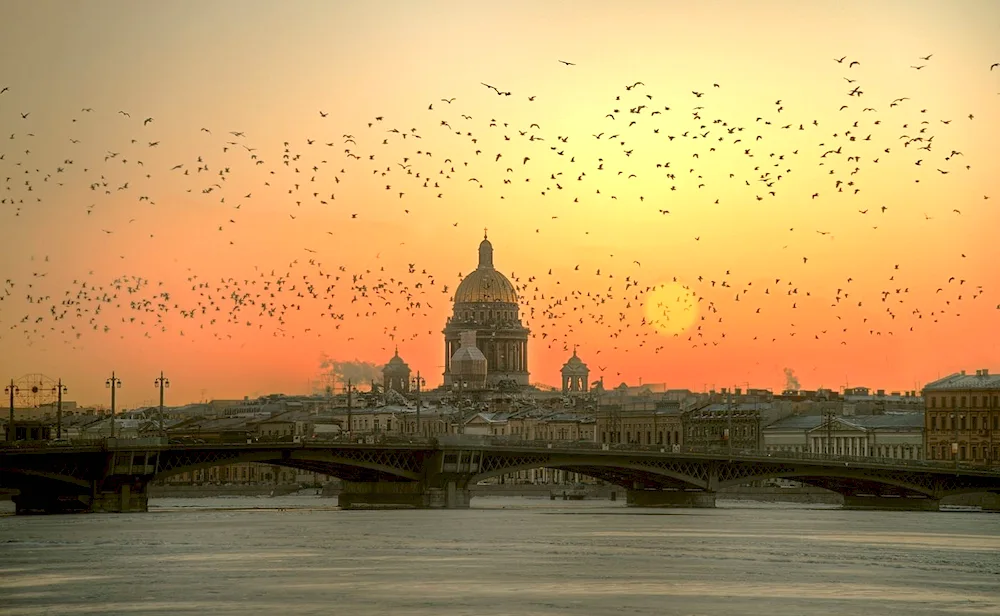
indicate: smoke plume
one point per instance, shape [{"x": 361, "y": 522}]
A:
[
  {"x": 791, "y": 382},
  {"x": 336, "y": 373}
]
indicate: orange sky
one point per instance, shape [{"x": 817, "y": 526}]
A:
[{"x": 596, "y": 193}]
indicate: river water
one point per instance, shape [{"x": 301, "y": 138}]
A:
[{"x": 301, "y": 555}]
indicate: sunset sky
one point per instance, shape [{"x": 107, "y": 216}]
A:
[{"x": 710, "y": 211}]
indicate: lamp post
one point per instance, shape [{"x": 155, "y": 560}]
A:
[
  {"x": 59, "y": 389},
  {"x": 162, "y": 383},
  {"x": 113, "y": 383},
  {"x": 829, "y": 414},
  {"x": 11, "y": 389},
  {"x": 418, "y": 382},
  {"x": 954, "y": 430},
  {"x": 349, "y": 415}
]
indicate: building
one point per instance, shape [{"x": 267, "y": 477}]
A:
[
  {"x": 893, "y": 436},
  {"x": 396, "y": 375},
  {"x": 723, "y": 426},
  {"x": 659, "y": 425},
  {"x": 574, "y": 375},
  {"x": 469, "y": 367},
  {"x": 486, "y": 303},
  {"x": 962, "y": 418}
]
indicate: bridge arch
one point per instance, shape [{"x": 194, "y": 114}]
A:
[
  {"x": 627, "y": 474},
  {"x": 349, "y": 464}
]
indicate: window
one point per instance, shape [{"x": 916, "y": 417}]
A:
[
  {"x": 963, "y": 402},
  {"x": 975, "y": 401},
  {"x": 975, "y": 422},
  {"x": 933, "y": 402},
  {"x": 934, "y": 422}
]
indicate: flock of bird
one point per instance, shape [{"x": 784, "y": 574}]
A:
[{"x": 670, "y": 155}]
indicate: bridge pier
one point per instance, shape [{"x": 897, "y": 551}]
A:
[
  {"x": 872, "y": 502},
  {"x": 124, "y": 496},
  {"x": 670, "y": 498},
  {"x": 402, "y": 494},
  {"x": 49, "y": 501}
]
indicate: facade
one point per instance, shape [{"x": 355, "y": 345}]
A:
[
  {"x": 648, "y": 426},
  {"x": 895, "y": 436},
  {"x": 486, "y": 303},
  {"x": 723, "y": 426},
  {"x": 962, "y": 418},
  {"x": 574, "y": 375}
]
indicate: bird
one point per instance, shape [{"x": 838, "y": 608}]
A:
[
  {"x": 993, "y": 66},
  {"x": 568, "y": 63}
]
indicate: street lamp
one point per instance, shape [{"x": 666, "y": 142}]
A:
[
  {"x": 11, "y": 389},
  {"x": 162, "y": 382},
  {"x": 113, "y": 383},
  {"x": 59, "y": 389},
  {"x": 954, "y": 430},
  {"x": 418, "y": 382},
  {"x": 829, "y": 414},
  {"x": 349, "y": 409}
]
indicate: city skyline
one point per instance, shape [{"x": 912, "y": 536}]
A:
[{"x": 315, "y": 179}]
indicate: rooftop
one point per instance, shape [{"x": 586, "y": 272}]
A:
[{"x": 982, "y": 379}]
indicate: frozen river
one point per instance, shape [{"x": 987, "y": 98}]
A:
[{"x": 301, "y": 555}]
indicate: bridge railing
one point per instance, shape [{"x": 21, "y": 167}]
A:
[{"x": 459, "y": 440}]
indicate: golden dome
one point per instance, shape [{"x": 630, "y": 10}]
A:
[{"x": 485, "y": 284}]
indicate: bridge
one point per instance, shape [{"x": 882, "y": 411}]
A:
[{"x": 113, "y": 475}]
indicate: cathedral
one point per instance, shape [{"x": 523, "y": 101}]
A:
[
  {"x": 485, "y": 344},
  {"x": 486, "y": 303}
]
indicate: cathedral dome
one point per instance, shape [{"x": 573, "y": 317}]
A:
[{"x": 485, "y": 284}]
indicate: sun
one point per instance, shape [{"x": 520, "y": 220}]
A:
[{"x": 671, "y": 308}]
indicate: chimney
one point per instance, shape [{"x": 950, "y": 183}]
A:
[
  {"x": 963, "y": 372},
  {"x": 986, "y": 371},
  {"x": 979, "y": 373}
]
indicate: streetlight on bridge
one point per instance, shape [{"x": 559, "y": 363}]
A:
[
  {"x": 162, "y": 383},
  {"x": 11, "y": 389},
  {"x": 59, "y": 389},
  {"x": 418, "y": 382},
  {"x": 113, "y": 383},
  {"x": 954, "y": 430},
  {"x": 349, "y": 409},
  {"x": 828, "y": 415}
]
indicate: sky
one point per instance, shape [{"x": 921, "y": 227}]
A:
[{"x": 695, "y": 194}]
